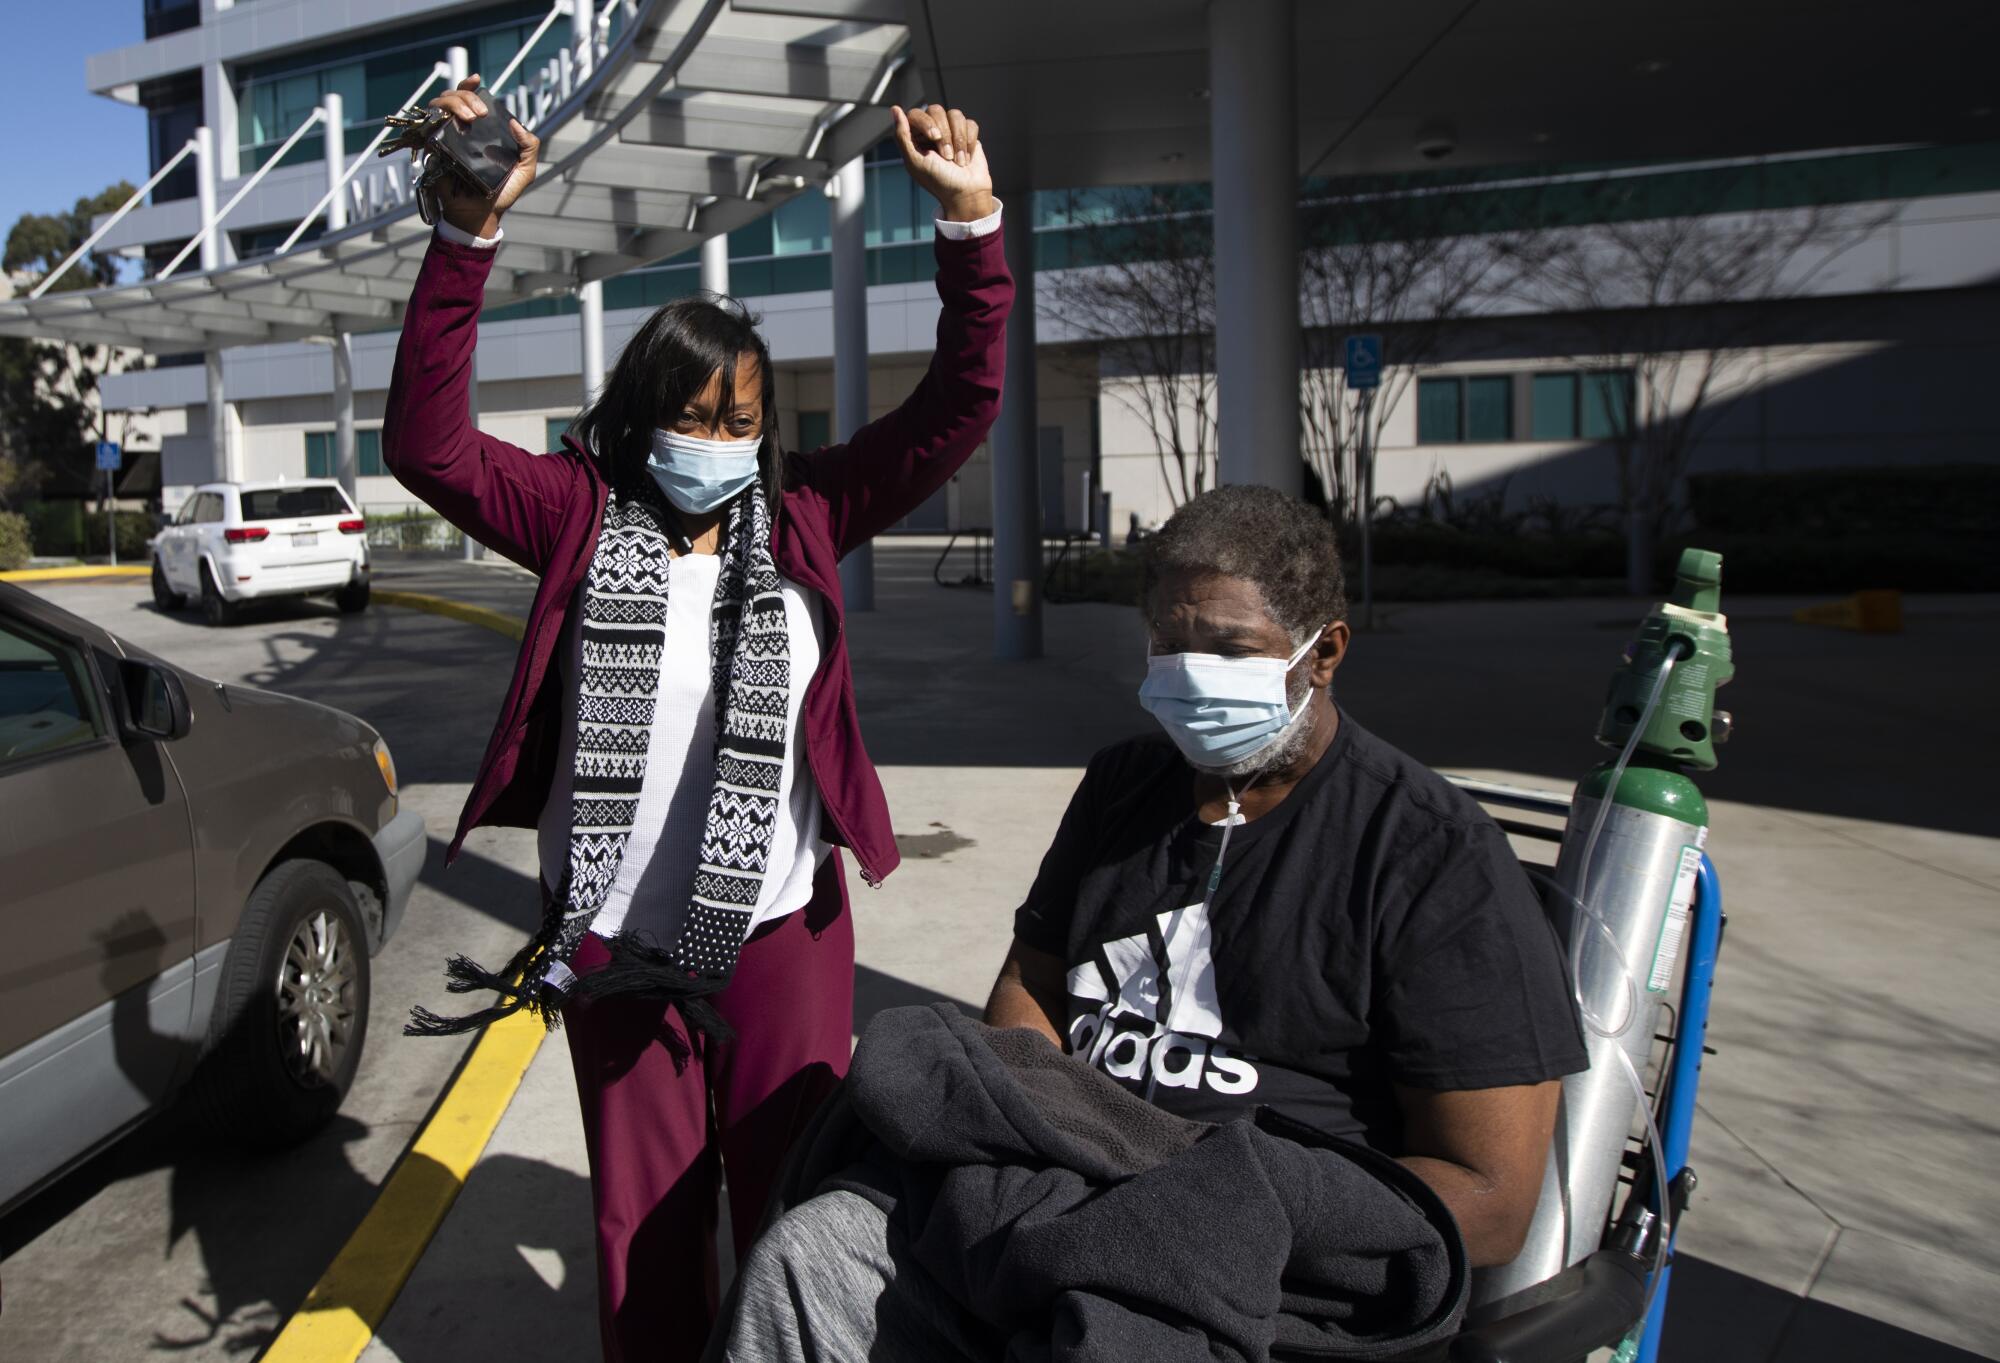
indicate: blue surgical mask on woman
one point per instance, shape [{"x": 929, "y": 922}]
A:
[
  {"x": 1220, "y": 710},
  {"x": 699, "y": 475}
]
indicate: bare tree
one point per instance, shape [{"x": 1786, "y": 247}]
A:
[
  {"x": 1403, "y": 259},
  {"x": 1142, "y": 289},
  {"x": 1669, "y": 310}
]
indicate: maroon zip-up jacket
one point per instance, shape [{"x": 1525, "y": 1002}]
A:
[{"x": 545, "y": 511}]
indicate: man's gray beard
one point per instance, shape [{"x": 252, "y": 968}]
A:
[{"x": 1284, "y": 749}]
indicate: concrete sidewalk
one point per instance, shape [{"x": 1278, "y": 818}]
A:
[{"x": 1848, "y": 1117}]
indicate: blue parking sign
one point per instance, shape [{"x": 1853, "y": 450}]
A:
[
  {"x": 1364, "y": 362},
  {"x": 107, "y": 456}
]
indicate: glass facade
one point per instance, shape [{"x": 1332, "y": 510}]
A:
[
  {"x": 173, "y": 112},
  {"x": 373, "y": 76},
  {"x": 171, "y": 16}
]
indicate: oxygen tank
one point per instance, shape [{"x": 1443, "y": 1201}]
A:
[{"x": 1623, "y": 925}]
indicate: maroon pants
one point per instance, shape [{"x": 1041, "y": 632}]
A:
[{"x": 660, "y": 1139}]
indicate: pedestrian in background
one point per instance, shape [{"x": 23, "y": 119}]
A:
[{"x": 681, "y": 727}]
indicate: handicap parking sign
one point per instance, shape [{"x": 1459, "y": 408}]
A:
[
  {"x": 107, "y": 456},
  {"x": 1364, "y": 362}
]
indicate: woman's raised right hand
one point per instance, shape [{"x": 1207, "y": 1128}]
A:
[{"x": 460, "y": 206}]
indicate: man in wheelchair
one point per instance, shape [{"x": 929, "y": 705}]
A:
[{"x": 1263, "y": 912}]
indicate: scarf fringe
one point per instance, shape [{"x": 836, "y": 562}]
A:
[
  {"x": 639, "y": 968},
  {"x": 463, "y": 975}
]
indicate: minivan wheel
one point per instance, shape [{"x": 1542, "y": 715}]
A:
[
  {"x": 216, "y": 609},
  {"x": 352, "y": 599},
  {"x": 291, "y": 1012},
  {"x": 165, "y": 597}
]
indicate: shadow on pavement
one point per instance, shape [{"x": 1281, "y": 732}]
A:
[
  {"x": 511, "y": 1274},
  {"x": 1716, "y": 1315},
  {"x": 264, "y": 1226}
]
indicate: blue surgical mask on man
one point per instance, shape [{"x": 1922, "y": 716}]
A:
[
  {"x": 1218, "y": 710},
  {"x": 699, "y": 475}
]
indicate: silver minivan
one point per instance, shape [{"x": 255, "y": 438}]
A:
[{"x": 193, "y": 877}]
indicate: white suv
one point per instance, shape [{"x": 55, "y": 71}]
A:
[{"x": 236, "y": 542}]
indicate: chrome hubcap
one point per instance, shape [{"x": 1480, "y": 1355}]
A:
[{"x": 316, "y": 999}]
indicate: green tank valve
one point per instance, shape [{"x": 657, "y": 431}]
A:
[
  {"x": 1698, "y": 581},
  {"x": 1690, "y": 628}
]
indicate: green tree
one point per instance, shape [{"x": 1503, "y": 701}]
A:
[{"x": 48, "y": 390}]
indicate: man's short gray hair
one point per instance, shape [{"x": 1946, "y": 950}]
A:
[{"x": 1265, "y": 537}]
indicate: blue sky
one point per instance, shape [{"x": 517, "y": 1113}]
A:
[{"x": 62, "y": 141}]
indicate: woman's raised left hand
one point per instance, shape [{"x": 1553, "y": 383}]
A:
[{"x": 942, "y": 149}]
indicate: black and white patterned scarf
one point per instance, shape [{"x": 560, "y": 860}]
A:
[{"x": 624, "y": 639}]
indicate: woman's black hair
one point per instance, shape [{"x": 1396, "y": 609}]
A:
[{"x": 667, "y": 362}]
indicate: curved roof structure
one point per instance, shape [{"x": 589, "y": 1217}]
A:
[{"x": 699, "y": 116}]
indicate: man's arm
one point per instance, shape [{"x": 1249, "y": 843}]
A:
[
  {"x": 1483, "y": 1151},
  {"x": 1029, "y": 993}
]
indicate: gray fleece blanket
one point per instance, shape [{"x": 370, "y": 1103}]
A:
[{"x": 1084, "y": 1224}]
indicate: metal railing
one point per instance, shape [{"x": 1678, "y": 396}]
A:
[{"x": 532, "y": 101}]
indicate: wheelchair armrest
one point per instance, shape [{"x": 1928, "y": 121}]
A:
[{"x": 1587, "y": 1306}]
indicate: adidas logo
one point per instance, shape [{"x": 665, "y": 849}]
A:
[{"x": 1127, "y": 1037}]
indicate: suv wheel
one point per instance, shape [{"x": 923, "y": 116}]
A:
[
  {"x": 216, "y": 609},
  {"x": 291, "y": 1012},
  {"x": 352, "y": 599},
  {"x": 165, "y": 597}
]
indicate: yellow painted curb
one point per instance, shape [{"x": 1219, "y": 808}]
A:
[
  {"x": 82, "y": 570},
  {"x": 340, "y": 1314},
  {"x": 499, "y": 621}
]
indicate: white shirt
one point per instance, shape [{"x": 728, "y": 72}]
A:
[{"x": 656, "y": 876}]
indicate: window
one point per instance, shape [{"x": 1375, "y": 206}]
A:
[
  {"x": 815, "y": 430},
  {"x": 1588, "y": 405},
  {"x": 1552, "y": 407},
  {"x": 171, "y": 16},
  {"x": 208, "y": 508},
  {"x": 322, "y": 459},
  {"x": 1452, "y": 410},
  {"x": 290, "y": 503},
  {"x": 554, "y": 429},
  {"x": 173, "y": 111},
  {"x": 46, "y": 699},
  {"x": 1607, "y": 404},
  {"x": 1438, "y": 408},
  {"x": 1489, "y": 407}
]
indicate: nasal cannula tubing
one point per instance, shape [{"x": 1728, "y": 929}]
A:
[
  {"x": 1597, "y": 920},
  {"x": 1229, "y": 823}
]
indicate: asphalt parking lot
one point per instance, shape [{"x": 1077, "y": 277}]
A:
[
  {"x": 164, "y": 1247},
  {"x": 1846, "y": 1129}
]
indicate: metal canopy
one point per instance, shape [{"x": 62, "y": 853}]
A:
[{"x": 700, "y": 117}]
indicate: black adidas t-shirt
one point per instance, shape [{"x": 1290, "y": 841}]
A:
[{"x": 1373, "y": 929}]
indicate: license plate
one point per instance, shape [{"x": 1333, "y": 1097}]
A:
[{"x": 305, "y": 541}]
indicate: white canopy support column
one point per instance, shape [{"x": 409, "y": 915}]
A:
[
  {"x": 850, "y": 351},
  {"x": 715, "y": 263},
  {"x": 336, "y": 160},
  {"x": 346, "y": 455},
  {"x": 205, "y": 175},
  {"x": 1253, "y": 136},
  {"x": 590, "y": 325},
  {"x": 346, "y": 461},
  {"x": 1017, "y": 483},
  {"x": 225, "y": 462}
]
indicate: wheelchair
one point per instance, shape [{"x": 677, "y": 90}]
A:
[{"x": 1616, "y": 1296}]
